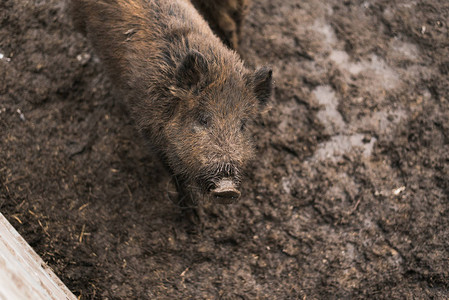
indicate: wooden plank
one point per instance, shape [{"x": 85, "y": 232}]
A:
[{"x": 23, "y": 274}]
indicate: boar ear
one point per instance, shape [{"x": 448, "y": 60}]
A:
[
  {"x": 263, "y": 84},
  {"x": 193, "y": 67}
]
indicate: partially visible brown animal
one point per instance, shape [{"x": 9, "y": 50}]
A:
[
  {"x": 190, "y": 96},
  {"x": 225, "y": 18}
]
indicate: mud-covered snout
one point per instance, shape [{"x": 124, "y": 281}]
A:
[{"x": 225, "y": 191}]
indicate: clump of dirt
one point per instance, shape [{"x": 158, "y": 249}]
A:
[{"x": 348, "y": 197}]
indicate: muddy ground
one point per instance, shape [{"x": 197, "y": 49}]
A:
[{"x": 349, "y": 196}]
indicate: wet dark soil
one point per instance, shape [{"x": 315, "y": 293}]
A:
[{"x": 349, "y": 196}]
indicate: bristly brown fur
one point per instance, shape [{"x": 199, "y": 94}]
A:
[{"x": 188, "y": 94}]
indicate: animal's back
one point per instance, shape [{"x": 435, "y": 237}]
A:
[{"x": 125, "y": 31}]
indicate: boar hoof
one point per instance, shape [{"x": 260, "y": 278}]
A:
[{"x": 192, "y": 215}]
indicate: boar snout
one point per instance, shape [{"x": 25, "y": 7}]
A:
[{"x": 225, "y": 191}]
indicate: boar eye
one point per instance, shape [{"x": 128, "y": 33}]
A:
[
  {"x": 243, "y": 125},
  {"x": 204, "y": 121}
]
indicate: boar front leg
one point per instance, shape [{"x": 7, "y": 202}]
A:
[
  {"x": 225, "y": 17},
  {"x": 185, "y": 200}
]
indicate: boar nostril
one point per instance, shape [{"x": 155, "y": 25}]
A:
[{"x": 225, "y": 192}]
